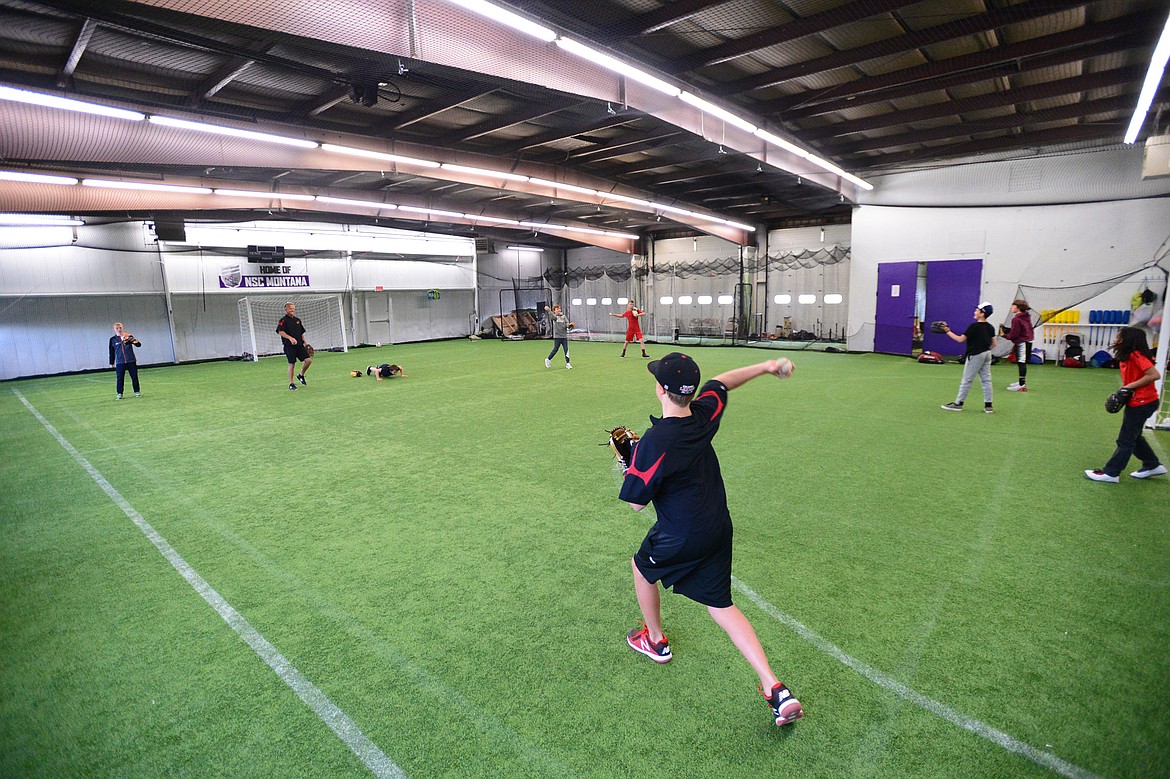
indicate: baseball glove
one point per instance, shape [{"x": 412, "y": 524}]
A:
[
  {"x": 1117, "y": 400},
  {"x": 356, "y": 374},
  {"x": 309, "y": 348},
  {"x": 621, "y": 441},
  {"x": 939, "y": 327}
]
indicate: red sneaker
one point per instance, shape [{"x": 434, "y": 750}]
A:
[
  {"x": 785, "y": 708},
  {"x": 639, "y": 641}
]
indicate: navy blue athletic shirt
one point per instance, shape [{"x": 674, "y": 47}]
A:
[{"x": 675, "y": 468}]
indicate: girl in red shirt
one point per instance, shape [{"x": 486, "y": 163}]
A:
[{"x": 1138, "y": 375}]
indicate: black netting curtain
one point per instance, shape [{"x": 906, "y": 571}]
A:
[
  {"x": 807, "y": 293},
  {"x": 589, "y": 294}
]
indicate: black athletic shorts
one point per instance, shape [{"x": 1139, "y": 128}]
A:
[
  {"x": 294, "y": 353},
  {"x": 698, "y": 567}
]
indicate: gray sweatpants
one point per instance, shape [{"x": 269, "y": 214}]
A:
[{"x": 976, "y": 364}]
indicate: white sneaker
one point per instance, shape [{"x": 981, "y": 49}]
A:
[
  {"x": 548, "y": 363},
  {"x": 1013, "y": 387},
  {"x": 570, "y": 367},
  {"x": 1101, "y": 476},
  {"x": 1158, "y": 470}
]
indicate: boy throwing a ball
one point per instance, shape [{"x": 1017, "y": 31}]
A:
[{"x": 689, "y": 547}]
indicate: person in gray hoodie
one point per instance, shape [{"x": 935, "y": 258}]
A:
[{"x": 560, "y": 330}]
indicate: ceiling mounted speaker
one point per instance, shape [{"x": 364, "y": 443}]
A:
[{"x": 170, "y": 231}]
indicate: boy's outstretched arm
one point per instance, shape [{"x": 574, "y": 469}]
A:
[{"x": 739, "y": 376}]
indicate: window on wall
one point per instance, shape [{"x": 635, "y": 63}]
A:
[
  {"x": 783, "y": 300},
  {"x": 704, "y": 300},
  {"x": 666, "y": 300},
  {"x": 833, "y": 298},
  {"x": 591, "y": 301},
  {"x": 576, "y": 301},
  {"x": 685, "y": 300},
  {"x": 606, "y": 301},
  {"x": 806, "y": 299},
  {"x": 726, "y": 300},
  {"x": 623, "y": 301}
]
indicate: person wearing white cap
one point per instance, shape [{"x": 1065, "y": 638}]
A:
[{"x": 980, "y": 340}]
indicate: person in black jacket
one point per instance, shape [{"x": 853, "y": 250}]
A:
[
  {"x": 122, "y": 359},
  {"x": 292, "y": 331}
]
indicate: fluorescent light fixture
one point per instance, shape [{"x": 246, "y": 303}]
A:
[
  {"x": 38, "y": 220},
  {"x": 377, "y": 155},
  {"x": 36, "y": 178},
  {"x": 492, "y": 219},
  {"x": 263, "y": 195},
  {"x": 344, "y": 201},
  {"x": 623, "y": 301},
  {"x": 1150, "y": 86},
  {"x": 526, "y": 248},
  {"x": 627, "y": 199},
  {"x": 782, "y": 300},
  {"x": 627, "y": 236},
  {"x": 65, "y": 104},
  {"x": 495, "y": 174},
  {"x": 704, "y": 300},
  {"x": 586, "y": 230},
  {"x": 806, "y": 299},
  {"x": 251, "y": 135},
  {"x": 815, "y": 160},
  {"x": 666, "y": 300},
  {"x": 677, "y": 210},
  {"x": 566, "y": 187},
  {"x": 607, "y": 301},
  {"x": 726, "y": 300},
  {"x": 737, "y": 225},
  {"x": 833, "y": 298},
  {"x": 431, "y": 212},
  {"x": 685, "y": 300},
  {"x": 576, "y": 301},
  {"x": 776, "y": 140},
  {"x": 591, "y": 301},
  {"x": 516, "y": 22},
  {"x": 716, "y": 111},
  {"x": 143, "y": 187},
  {"x": 617, "y": 66}
]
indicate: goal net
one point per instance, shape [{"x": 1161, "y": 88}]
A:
[{"x": 322, "y": 316}]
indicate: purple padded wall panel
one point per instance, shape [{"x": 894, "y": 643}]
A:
[
  {"x": 953, "y": 288},
  {"x": 894, "y": 315}
]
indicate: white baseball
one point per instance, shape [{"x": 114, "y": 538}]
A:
[{"x": 785, "y": 367}]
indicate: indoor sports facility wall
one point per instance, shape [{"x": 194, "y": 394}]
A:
[{"x": 61, "y": 289}]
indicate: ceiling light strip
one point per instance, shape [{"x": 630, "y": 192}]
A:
[
  {"x": 36, "y": 178},
  {"x": 377, "y": 155},
  {"x": 144, "y": 187},
  {"x": 1150, "y": 86},
  {"x": 67, "y": 104},
  {"x": 39, "y": 220},
  {"x": 215, "y": 129}
]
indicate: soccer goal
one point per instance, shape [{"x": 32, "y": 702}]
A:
[{"x": 323, "y": 316}]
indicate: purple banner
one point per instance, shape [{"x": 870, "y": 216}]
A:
[{"x": 261, "y": 282}]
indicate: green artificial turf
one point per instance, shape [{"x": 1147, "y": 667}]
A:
[{"x": 445, "y": 558}]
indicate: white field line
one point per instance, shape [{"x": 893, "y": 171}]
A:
[
  {"x": 997, "y": 737},
  {"x": 337, "y": 720}
]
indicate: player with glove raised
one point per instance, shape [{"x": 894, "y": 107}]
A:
[
  {"x": 1138, "y": 399},
  {"x": 674, "y": 466},
  {"x": 123, "y": 359}
]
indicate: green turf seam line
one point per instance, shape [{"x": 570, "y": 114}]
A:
[
  {"x": 997, "y": 737},
  {"x": 337, "y": 720}
]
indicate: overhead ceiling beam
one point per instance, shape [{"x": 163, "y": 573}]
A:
[
  {"x": 222, "y": 76},
  {"x": 1015, "y": 96},
  {"x": 322, "y": 102},
  {"x": 79, "y": 46},
  {"x": 1017, "y": 121},
  {"x": 663, "y": 16},
  {"x": 1040, "y": 138},
  {"x": 1042, "y": 52},
  {"x": 855, "y": 11},
  {"x": 614, "y": 150},
  {"x": 433, "y": 107},
  {"x": 1000, "y": 17},
  {"x": 563, "y": 133},
  {"x": 501, "y": 121}
]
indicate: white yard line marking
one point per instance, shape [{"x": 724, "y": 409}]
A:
[
  {"x": 337, "y": 720},
  {"x": 997, "y": 737}
]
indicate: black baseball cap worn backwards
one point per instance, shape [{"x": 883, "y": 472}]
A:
[{"x": 676, "y": 373}]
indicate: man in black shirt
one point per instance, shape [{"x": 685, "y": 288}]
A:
[
  {"x": 689, "y": 547},
  {"x": 290, "y": 329},
  {"x": 980, "y": 339}
]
